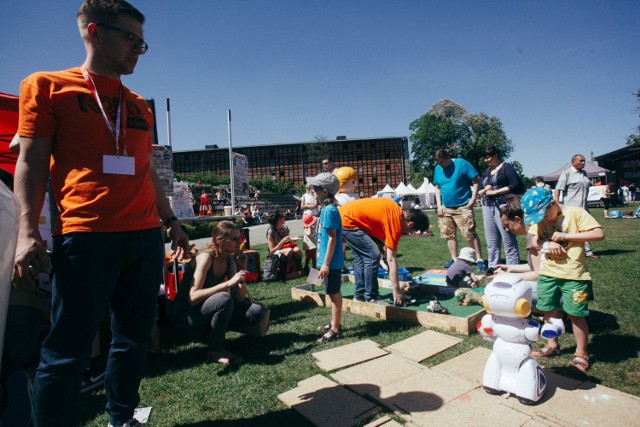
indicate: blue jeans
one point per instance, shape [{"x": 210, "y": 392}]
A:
[
  {"x": 91, "y": 271},
  {"x": 366, "y": 260},
  {"x": 495, "y": 234}
]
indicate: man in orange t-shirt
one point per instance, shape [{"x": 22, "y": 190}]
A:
[
  {"x": 367, "y": 225},
  {"x": 92, "y": 135}
]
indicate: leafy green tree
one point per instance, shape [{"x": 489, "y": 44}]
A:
[
  {"x": 634, "y": 138},
  {"x": 448, "y": 125},
  {"x": 528, "y": 182},
  {"x": 318, "y": 150}
]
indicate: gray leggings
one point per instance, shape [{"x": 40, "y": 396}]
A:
[{"x": 217, "y": 314}]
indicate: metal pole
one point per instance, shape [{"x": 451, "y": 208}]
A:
[
  {"x": 233, "y": 205},
  {"x": 168, "y": 123}
]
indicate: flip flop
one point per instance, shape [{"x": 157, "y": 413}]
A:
[
  {"x": 580, "y": 362},
  {"x": 541, "y": 353}
]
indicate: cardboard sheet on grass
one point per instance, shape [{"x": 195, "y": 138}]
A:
[
  {"x": 347, "y": 355},
  {"x": 460, "y": 320},
  {"x": 325, "y": 403},
  {"x": 423, "y": 345}
]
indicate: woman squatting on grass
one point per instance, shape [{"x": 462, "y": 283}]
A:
[{"x": 212, "y": 296}]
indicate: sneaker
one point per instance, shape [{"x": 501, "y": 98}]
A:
[
  {"x": 377, "y": 300},
  {"x": 131, "y": 423},
  {"x": 481, "y": 266},
  {"x": 18, "y": 412},
  {"x": 91, "y": 380},
  {"x": 357, "y": 298},
  {"x": 449, "y": 264}
]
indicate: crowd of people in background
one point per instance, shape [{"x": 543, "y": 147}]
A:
[{"x": 112, "y": 213}]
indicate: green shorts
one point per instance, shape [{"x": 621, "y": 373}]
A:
[{"x": 572, "y": 296}]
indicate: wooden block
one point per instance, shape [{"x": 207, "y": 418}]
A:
[
  {"x": 423, "y": 345},
  {"x": 325, "y": 403},
  {"x": 369, "y": 376},
  {"x": 347, "y": 355},
  {"x": 444, "y": 322}
]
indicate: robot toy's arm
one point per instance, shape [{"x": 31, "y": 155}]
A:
[
  {"x": 486, "y": 329},
  {"x": 553, "y": 329},
  {"x": 531, "y": 331}
]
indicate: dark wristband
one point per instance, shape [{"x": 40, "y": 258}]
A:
[{"x": 167, "y": 222}]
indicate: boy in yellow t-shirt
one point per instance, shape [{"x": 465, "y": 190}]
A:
[{"x": 564, "y": 281}]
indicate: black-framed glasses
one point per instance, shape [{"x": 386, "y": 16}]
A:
[{"x": 135, "y": 41}]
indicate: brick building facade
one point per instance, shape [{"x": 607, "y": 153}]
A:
[{"x": 379, "y": 161}]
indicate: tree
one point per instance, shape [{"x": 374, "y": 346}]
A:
[
  {"x": 448, "y": 125},
  {"x": 634, "y": 138},
  {"x": 318, "y": 150}
]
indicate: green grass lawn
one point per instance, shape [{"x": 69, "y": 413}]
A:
[{"x": 184, "y": 389}]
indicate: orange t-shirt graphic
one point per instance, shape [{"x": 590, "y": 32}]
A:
[{"x": 59, "y": 105}]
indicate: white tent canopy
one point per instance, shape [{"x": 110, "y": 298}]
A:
[
  {"x": 429, "y": 191},
  {"x": 401, "y": 189},
  {"x": 387, "y": 191},
  {"x": 426, "y": 194}
]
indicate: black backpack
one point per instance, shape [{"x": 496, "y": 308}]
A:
[{"x": 275, "y": 267}]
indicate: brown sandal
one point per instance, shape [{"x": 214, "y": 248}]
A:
[
  {"x": 331, "y": 335},
  {"x": 580, "y": 362},
  {"x": 541, "y": 353}
]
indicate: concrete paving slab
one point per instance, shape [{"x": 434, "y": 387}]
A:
[
  {"x": 469, "y": 365},
  {"x": 423, "y": 345},
  {"x": 325, "y": 403},
  {"x": 369, "y": 376},
  {"x": 384, "y": 422},
  {"x": 476, "y": 408},
  {"x": 418, "y": 395},
  {"x": 537, "y": 422},
  {"x": 347, "y": 355},
  {"x": 584, "y": 404}
]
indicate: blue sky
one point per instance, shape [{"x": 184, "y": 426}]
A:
[{"x": 559, "y": 74}]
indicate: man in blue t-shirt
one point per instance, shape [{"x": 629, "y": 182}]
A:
[{"x": 456, "y": 183}]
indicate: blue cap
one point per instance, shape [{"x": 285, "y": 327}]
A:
[{"x": 534, "y": 204}]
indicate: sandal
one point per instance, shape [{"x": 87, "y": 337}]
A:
[
  {"x": 580, "y": 362},
  {"x": 329, "y": 336},
  {"x": 541, "y": 353},
  {"x": 324, "y": 328}
]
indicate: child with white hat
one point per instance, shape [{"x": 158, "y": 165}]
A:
[{"x": 459, "y": 274}]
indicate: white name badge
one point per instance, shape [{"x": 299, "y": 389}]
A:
[{"x": 122, "y": 165}]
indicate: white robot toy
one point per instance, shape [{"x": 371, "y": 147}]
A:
[{"x": 510, "y": 368}]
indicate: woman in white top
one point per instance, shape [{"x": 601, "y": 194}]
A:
[{"x": 309, "y": 203}]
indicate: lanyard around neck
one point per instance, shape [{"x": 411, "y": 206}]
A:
[{"x": 121, "y": 122}]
